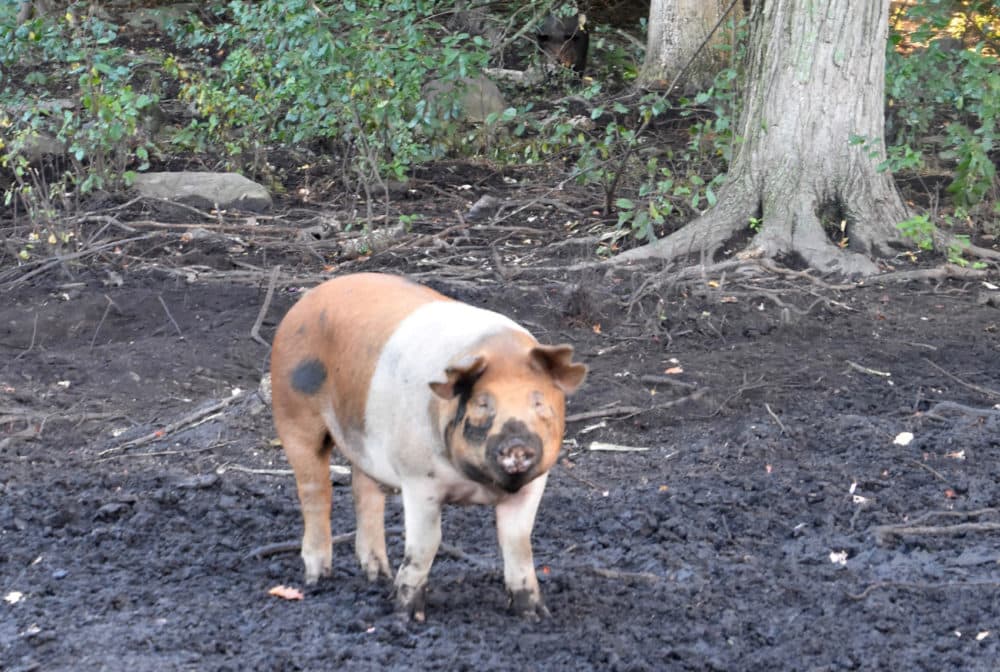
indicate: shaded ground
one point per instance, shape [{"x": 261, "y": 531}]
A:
[{"x": 746, "y": 537}]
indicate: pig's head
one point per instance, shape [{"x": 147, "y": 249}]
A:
[{"x": 502, "y": 408}]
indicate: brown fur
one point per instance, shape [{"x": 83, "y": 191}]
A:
[{"x": 323, "y": 325}]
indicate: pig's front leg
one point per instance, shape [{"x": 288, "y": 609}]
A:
[
  {"x": 422, "y": 521},
  {"x": 515, "y": 519}
]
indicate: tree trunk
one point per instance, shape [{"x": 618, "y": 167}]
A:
[
  {"x": 816, "y": 79},
  {"x": 676, "y": 29}
]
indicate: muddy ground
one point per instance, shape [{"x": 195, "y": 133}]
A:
[{"x": 770, "y": 521}]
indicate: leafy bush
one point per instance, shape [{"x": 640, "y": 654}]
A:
[
  {"x": 97, "y": 122},
  {"x": 348, "y": 75},
  {"x": 942, "y": 74}
]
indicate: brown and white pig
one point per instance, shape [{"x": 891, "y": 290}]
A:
[{"x": 442, "y": 400}]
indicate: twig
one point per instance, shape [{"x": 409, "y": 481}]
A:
[
  {"x": 44, "y": 265},
  {"x": 629, "y": 411},
  {"x": 960, "y": 408},
  {"x": 993, "y": 394},
  {"x": 31, "y": 346},
  {"x": 666, "y": 380},
  {"x": 937, "y": 273},
  {"x": 646, "y": 577},
  {"x": 886, "y": 533},
  {"x": 191, "y": 419},
  {"x": 784, "y": 430},
  {"x": 282, "y": 547},
  {"x": 158, "y": 453},
  {"x": 600, "y": 446},
  {"x": 865, "y": 369},
  {"x": 921, "y": 586},
  {"x": 337, "y": 472},
  {"x": 107, "y": 309},
  {"x": 167, "y": 311},
  {"x": 929, "y": 468},
  {"x": 255, "y": 331}
]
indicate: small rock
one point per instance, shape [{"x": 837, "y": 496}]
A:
[
  {"x": 206, "y": 191},
  {"x": 198, "y": 482}
]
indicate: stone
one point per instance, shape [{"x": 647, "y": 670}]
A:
[
  {"x": 479, "y": 98},
  {"x": 205, "y": 191}
]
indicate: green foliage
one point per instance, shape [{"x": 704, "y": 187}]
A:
[
  {"x": 348, "y": 75},
  {"x": 920, "y": 229},
  {"x": 944, "y": 74},
  {"x": 97, "y": 120}
]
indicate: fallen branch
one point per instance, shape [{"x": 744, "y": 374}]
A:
[
  {"x": 282, "y": 547},
  {"x": 171, "y": 317},
  {"x": 921, "y": 586},
  {"x": 945, "y": 272},
  {"x": 885, "y": 534},
  {"x": 774, "y": 416},
  {"x": 865, "y": 369},
  {"x": 191, "y": 420},
  {"x": 255, "y": 330},
  {"x": 629, "y": 411},
  {"x": 993, "y": 394},
  {"x": 600, "y": 446},
  {"x": 645, "y": 577},
  {"x": 942, "y": 406}
]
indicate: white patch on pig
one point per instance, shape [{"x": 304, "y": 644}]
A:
[{"x": 400, "y": 439}]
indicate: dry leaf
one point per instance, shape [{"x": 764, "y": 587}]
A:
[
  {"x": 286, "y": 593},
  {"x": 596, "y": 328},
  {"x": 673, "y": 370}
]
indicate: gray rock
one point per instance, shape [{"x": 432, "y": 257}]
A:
[
  {"x": 37, "y": 147},
  {"x": 205, "y": 190},
  {"x": 158, "y": 18},
  {"x": 478, "y": 98}
]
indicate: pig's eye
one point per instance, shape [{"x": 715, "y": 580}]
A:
[
  {"x": 481, "y": 409},
  {"x": 541, "y": 407}
]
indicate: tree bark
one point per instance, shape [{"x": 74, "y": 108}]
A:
[
  {"x": 677, "y": 28},
  {"x": 816, "y": 79}
]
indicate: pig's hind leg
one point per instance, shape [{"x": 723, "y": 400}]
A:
[
  {"x": 308, "y": 447},
  {"x": 369, "y": 539}
]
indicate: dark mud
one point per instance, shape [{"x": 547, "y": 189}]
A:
[{"x": 748, "y": 536}]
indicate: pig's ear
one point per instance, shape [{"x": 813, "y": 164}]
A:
[
  {"x": 460, "y": 373},
  {"x": 557, "y": 361}
]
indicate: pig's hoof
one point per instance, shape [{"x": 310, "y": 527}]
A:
[
  {"x": 411, "y": 602},
  {"x": 375, "y": 567},
  {"x": 317, "y": 566},
  {"x": 528, "y": 605}
]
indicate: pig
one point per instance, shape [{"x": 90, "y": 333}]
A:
[
  {"x": 440, "y": 400},
  {"x": 565, "y": 41}
]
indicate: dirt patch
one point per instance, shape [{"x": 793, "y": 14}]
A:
[{"x": 750, "y": 533}]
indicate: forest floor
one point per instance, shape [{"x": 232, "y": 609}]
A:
[
  {"x": 803, "y": 474},
  {"x": 767, "y": 516}
]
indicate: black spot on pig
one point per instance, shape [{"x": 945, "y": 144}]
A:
[{"x": 308, "y": 377}]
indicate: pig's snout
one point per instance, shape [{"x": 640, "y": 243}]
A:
[
  {"x": 514, "y": 456},
  {"x": 515, "y": 451}
]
